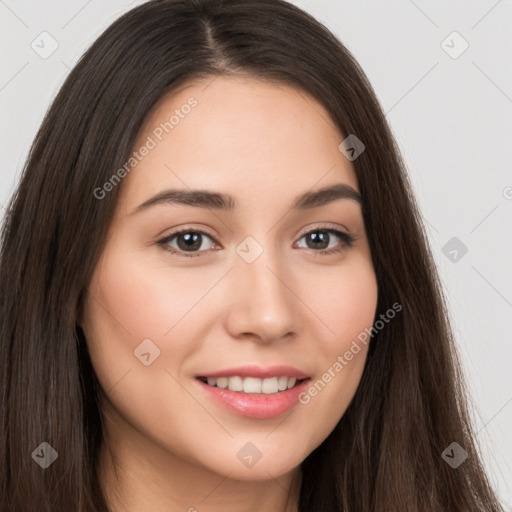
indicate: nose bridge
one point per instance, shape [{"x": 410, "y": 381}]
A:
[{"x": 263, "y": 303}]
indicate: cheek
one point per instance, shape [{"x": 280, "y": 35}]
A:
[
  {"x": 345, "y": 301},
  {"x": 352, "y": 319},
  {"x": 129, "y": 302},
  {"x": 141, "y": 299}
]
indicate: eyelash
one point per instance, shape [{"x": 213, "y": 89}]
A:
[{"x": 347, "y": 241}]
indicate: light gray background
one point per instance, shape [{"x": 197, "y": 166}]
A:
[{"x": 452, "y": 118}]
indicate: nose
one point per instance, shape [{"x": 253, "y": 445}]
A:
[{"x": 262, "y": 302}]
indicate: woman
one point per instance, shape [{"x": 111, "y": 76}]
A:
[{"x": 217, "y": 291}]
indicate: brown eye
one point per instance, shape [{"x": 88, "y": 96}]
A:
[
  {"x": 320, "y": 240},
  {"x": 186, "y": 241}
]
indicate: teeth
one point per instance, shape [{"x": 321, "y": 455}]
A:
[
  {"x": 222, "y": 382},
  {"x": 269, "y": 386},
  {"x": 235, "y": 383},
  {"x": 253, "y": 385},
  {"x": 282, "y": 383}
]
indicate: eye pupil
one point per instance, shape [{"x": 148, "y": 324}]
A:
[
  {"x": 320, "y": 236},
  {"x": 191, "y": 241}
]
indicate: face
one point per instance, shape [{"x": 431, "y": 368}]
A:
[{"x": 265, "y": 287}]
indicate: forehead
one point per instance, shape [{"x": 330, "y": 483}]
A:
[{"x": 249, "y": 138}]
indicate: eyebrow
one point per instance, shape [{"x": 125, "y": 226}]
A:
[{"x": 221, "y": 201}]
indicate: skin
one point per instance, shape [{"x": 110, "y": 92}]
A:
[{"x": 176, "y": 449}]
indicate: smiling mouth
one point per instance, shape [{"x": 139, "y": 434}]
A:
[{"x": 253, "y": 385}]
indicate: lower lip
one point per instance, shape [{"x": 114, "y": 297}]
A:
[{"x": 258, "y": 406}]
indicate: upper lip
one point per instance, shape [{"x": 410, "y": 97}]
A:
[{"x": 259, "y": 372}]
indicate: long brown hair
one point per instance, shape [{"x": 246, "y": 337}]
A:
[{"x": 386, "y": 452}]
